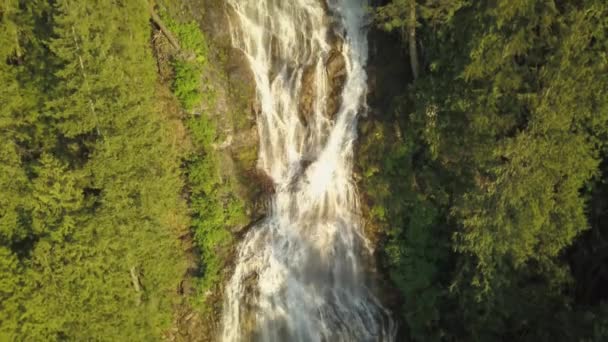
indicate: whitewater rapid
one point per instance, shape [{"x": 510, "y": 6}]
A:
[{"x": 300, "y": 275}]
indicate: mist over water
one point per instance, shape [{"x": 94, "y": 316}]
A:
[{"x": 300, "y": 275}]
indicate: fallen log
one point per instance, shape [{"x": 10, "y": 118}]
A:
[{"x": 163, "y": 28}]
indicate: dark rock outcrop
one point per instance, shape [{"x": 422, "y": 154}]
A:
[
  {"x": 336, "y": 74},
  {"x": 335, "y": 67},
  {"x": 307, "y": 95}
]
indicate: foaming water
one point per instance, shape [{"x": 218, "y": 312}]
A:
[{"x": 300, "y": 274}]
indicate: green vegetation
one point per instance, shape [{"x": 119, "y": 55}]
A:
[
  {"x": 95, "y": 161},
  {"x": 485, "y": 177},
  {"x": 187, "y": 84},
  {"x": 216, "y": 206},
  {"x": 189, "y": 62},
  {"x": 90, "y": 202}
]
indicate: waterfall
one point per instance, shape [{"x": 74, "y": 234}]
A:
[{"x": 300, "y": 275}]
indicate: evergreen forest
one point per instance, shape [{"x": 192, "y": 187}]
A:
[{"x": 128, "y": 168}]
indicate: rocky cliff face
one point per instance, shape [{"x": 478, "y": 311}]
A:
[
  {"x": 234, "y": 107},
  {"x": 335, "y": 67},
  {"x": 230, "y": 103}
]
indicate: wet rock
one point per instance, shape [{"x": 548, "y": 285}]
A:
[
  {"x": 266, "y": 183},
  {"x": 238, "y": 69},
  {"x": 335, "y": 40},
  {"x": 259, "y": 199},
  {"x": 278, "y": 62},
  {"x": 256, "y": 107},
  {"x": 371, "y": 82},
  {"x": 264, "y": 191},
  {"x": 249, "y": 307},
  {"x": 307, "y": 95},
  {"x": 214, "y": 18},
  {"x": 335, "y": 67},
  {"x": 336, "y": 74},
  {"x": 324, "y": 5}
]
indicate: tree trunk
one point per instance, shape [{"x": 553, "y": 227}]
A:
[
  {"x": 135, "y": 279},
  {"x": 136, "y": 284},
  {"x": 158, "y": 21},
  {"x": 412, "y": 39}
]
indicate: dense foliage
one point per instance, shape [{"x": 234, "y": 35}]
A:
[
  {"x": 189, "y": 64},
  {"x": 216, "y": 207},
  {"x": 90, "y": 207},
  {"x": 486, "y": 172},
  {"x": 490, "y": 173}
]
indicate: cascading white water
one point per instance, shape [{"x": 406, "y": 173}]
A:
[{"x": 299, "y": 274}]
